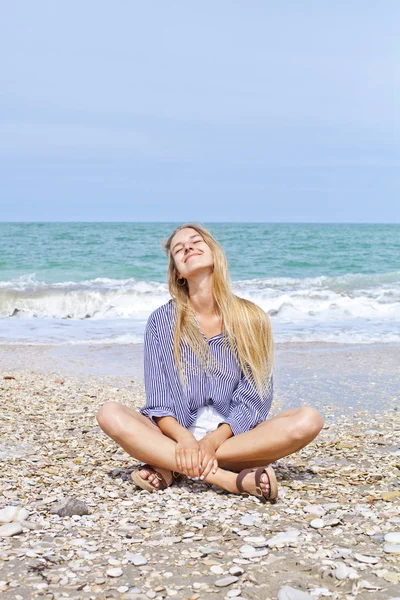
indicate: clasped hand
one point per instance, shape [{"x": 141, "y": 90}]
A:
[{"x": 195, "y": 458}]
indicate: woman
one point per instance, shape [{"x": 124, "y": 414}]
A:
[{"x": 208, "y": 378}]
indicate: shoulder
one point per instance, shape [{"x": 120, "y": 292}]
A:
[{"x": 162, "y": 317}]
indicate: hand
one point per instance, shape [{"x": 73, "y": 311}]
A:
[
  {"x": 187, "y": 456},
  {"x": 208, "y": 460}
]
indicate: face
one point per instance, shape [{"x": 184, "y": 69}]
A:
[{"x": 190, "y": 252}]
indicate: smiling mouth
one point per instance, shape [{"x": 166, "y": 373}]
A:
[{"x": 191, "y": 256}]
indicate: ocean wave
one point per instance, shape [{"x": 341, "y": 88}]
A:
[{"x": 352, "y": 296}]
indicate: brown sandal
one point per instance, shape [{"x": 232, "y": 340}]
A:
[
  {"x": 145, "y": 484},
  {"x": 273, "y": 484}
]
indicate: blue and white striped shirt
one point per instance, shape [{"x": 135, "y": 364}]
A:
[{"x": 226, "y": 388}]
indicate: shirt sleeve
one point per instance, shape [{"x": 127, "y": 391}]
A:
[
  {"x": 158, "y": 398},
  {"x": 248, "y": 408}
]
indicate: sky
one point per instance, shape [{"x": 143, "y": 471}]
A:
[{"x": 211, "y": 111}]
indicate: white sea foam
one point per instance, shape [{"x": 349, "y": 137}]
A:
[{"x": 345, "y": 309}]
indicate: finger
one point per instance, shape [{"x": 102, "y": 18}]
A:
[
  {"x": 204, "y": 462},
  {"x": 178, "y": 461},
  {"x": 183, "y": 462},
  {"x": 202, "y": 459},
  {"x": 207, "y": 469},
  {"x": 193, "y": 458},
  {"x": 197, "y": 461},
  {"x": 215, "y": 465}
]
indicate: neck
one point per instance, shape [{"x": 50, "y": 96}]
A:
[{"x": 201, "y": 297}]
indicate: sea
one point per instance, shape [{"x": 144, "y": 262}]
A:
[{"x": 97, "y": 283}]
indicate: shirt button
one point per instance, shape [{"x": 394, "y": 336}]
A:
[{"x": 210, "y": 401}]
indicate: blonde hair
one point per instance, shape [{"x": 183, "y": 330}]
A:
[{"x": 246, "y": 327}]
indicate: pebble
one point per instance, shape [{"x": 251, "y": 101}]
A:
[
  {"x": 10, "y": 529},
  {"x": 393, "y": 537},
  {"x": 389, "y": 496},
  {"x": 257, "y": 542},
  {"x": 315, "y": 509},
  {"x": 226, "y": 581},
  {"x": 236, "y": 570},
  {"x": 191, "y": 527},
  {"x": 216, "y": 569},
  {"x": 248, "y": 520},
  {"x": 13, "y": 513},
  {"x": 69, "y": 507},
  {"x": 30, "y": 525},
  {"x": 246, "y": 549},
  {"x": 289, "y": 593},
  {"x": 137, "y": 559},
  {"x": 342, "y": 571},
  {"x": 233, "y": 593},
  {"x": 391, "y": 548},
  {"x": 117, "y": 572},
  {"x": 284, "y": 538},
  {"x": 317, "y": 523},
  {"x": 371, "y": 560}
]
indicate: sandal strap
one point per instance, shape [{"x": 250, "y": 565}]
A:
[
  {"x": 239, "y": 480},
  {"x": 259, "y": 491},
  {"x": 163, "y": 484}
]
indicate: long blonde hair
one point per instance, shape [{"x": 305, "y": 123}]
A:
[{"x": 246, "y": 327}]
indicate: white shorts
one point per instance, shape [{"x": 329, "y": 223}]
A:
[{"x": 207, "y": 420}]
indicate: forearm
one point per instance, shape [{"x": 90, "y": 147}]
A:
[
  {"x": 172, "y": 429},
  {"x": 219, "y": 435}
]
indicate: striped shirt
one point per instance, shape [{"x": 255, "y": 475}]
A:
[{"x": 225, "y": 387}]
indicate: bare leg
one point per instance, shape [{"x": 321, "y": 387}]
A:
[
  {"x": 110, "y": 418},
  {"x": 273, "y": 439}
]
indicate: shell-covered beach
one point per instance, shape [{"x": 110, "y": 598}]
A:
[{"x": 334, "y": 532}]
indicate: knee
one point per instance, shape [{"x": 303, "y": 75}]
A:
[
  {"x": 308, "y": 424},
  {"x": 109, "y": 417}
]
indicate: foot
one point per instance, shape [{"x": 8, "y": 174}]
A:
[
  {"x": 153, "y": 479},
  {"x": 249, "y": 484}
]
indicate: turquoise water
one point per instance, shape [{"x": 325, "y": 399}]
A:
[{"x": 98, "y": 282}]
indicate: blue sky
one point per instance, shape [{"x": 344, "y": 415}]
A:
[{"x": 212, "y": 111}]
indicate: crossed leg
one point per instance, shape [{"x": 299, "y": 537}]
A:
[{"x": 267, "y": 442}]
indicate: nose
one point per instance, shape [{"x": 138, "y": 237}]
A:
[{"x": 188, "y": 246}]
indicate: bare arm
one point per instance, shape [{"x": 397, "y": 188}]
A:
[
  {"x": 219, "y": 435},
  {"x": 187, "y": 448},
  {"x": 172, "y": 429}
]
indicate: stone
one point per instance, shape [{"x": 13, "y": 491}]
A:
[
  {"x": 389, "y": 496},
  {"x": 248, "y": 520},
  {"x": 30, "y": 525},
  {"x": 10, "y": 529},
  {"x": 233, "y": 593},
  {"x": 236, "y": 570},
  {"x": 317, "y": 524},
  {"x": 315, "y": 509},
  {"x": 246, "y": 549},
  {"x": 13, "y": 513},
  {"x": 216, "y": 569},
  {"x": 226, "y": 581},
  {"x": 342, "y": 571},
  {"x": 391, "y": 548},
  {"x": 257, "y": 542},
  {"x": 393, "y": 537},
  {"x": 69, "y": 507},
  {"x": 116, "y": 572},
  {"x": 137, "y": 559},
  {"x": 289, "y": 593},
  {"x": 284, "y": 538},
  {"x": 370, "y": 560}
]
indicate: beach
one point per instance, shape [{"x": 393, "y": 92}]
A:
[{"x": 338, "y": 498}]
